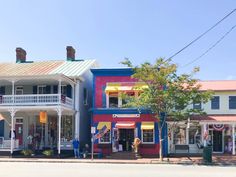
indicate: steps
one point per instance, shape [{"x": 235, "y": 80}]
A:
[{"x": 123, "y": 155}]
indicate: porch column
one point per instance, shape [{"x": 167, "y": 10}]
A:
[
  {"x": 107, "y": 100},
  {"x": 77, "y": 109},
  {"x": 59, "y": 90},
  {"x": 12, "y": 112},
  {"x": 204, "y": 133},
  {"x": 233, "y": 138},
  {"x": 59, "y": 130}
]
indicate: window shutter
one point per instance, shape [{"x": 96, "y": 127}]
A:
[
  {"x": 103, "y": 96},
  {"x": 55, "y": 89},
  {"x": 2, "y": 128},
  {"x": 69, "y": 91},
  {"x": 48, "y": 89},
  {"x": 35, "y": 89},
  {"x": 2, "y": 90}
]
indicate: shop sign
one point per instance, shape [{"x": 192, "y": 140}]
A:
[
  {"x": 93, "y": 130},
  {"x": 125, "y": 115},
  {"x": 43, "y": 117}
]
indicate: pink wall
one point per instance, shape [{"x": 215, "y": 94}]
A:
[{"x": 101, "y": 81}]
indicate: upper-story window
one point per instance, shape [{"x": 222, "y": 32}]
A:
[
  {"x": 41, "y": 89},
  {"x": 232, "y": 102},
  {"x": 126, "y": 100},
  {"x": 19, "y": 90},
  {"x": 63, "y": 89},
  {"x": 113, "y": 100},
  {"x": 215, "y": 102},
  {"x": 197, "y": 106}
]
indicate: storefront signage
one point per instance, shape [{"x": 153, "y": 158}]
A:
[
  {"x": 125, "y": 115},
  {"x": 93, "y": 130},
  {"x": 43, "y": 117}
]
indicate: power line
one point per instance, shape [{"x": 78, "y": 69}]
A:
[
  {"x": 202, "y": 34},
  {"x": 217, "y": 42}
]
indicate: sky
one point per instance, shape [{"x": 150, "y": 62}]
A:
[{"x": 111, "y": 30}]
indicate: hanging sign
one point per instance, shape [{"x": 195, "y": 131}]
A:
[
  {"x": 218, "y": 127},
  {"x": 43, "y": 117}
]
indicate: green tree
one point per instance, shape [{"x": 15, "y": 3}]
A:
[{"x": 168, "y": 94}]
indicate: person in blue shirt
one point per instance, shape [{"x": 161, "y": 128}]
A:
[{"x": 76, "y": 147}]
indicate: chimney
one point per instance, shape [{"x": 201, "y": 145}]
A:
[
  {"x": 70, "y": 53},
  {"x": 20, "y": 55}
]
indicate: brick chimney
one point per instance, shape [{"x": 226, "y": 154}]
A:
[
  {"x": 70, "y": 53},
  {"x": 20, "y": 55}
]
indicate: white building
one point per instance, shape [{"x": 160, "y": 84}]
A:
[
  {"x": 217, "y": 128},
  {"x": 58, "y": 90}
]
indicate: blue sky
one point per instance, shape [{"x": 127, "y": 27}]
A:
[{"x": 109, "y": 31}]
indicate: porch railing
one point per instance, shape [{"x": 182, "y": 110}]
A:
[{"x": 35, "y": 99}]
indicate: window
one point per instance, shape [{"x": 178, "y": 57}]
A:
[
  {"x": 19, "y": 90},
  {"x": 85, "y": 96},
  {"x": 106, "y": 138},
  {"x": 197, "y": 106},
  {"x": 232, "y": 102},
  {"x": 180, "y": 135},
  {"x": 194, "y": 134},
  {"x": 67, "y": 128},
  {"x": 148, "y": 136},
  {"x": 42, "y": 89},
  {"x": 126, "y": 100},
  {"x": 215, "y": 102},
  {"x": 113, "y": 100}
]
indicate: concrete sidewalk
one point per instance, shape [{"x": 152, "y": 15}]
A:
[{"x": 222, "y": 160}]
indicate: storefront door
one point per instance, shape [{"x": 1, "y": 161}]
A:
[
  {"x": 19, "y": 131},
  {"x": 126, "y": 138},
  {"x": 217, "y": 141}
]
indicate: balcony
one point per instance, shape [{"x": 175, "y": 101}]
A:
[{"x": 36, "y": 100}]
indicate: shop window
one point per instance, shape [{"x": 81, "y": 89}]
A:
[
  {"x": 66, "y": 128},
  {"x": 215, "y": 102},
  {"x": 113, "y": 100},
  {"x": 180, "y": 135},
  {"x": 232, "y": 102},
  {"x": 194, "y": 134},
  {"x": 106, "y": 138},
  {"x": 148, "y": 136}
]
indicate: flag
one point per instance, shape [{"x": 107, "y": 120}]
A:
[
  {"x": 1, "y": 117},
  {"x": 101, "y": 132}
]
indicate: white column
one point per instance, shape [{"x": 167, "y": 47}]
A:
[
  {"x": 204, "y": 132},
  {"x": 77, "y": 110},
  {"x": 59, "y": 90},
  {"x": 233, "y": 139},
  {"x": 12, "y": 112},
  {"x": 107, "y": 100},
  {"x": 187, "y": 135},
  {"x": 59, "y": 130}
]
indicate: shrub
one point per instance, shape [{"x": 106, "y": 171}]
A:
[
  {"x": 48, "y": 152},
  {"x": 27, "y": 152}
]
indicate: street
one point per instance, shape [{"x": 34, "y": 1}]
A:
[{"x": 34, "y": 169}]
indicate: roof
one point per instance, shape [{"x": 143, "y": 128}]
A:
[
  {"x": 67, "y": 68},
  {"x": 225, "y": 85}
]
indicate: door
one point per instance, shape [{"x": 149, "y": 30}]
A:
[
  {"x": 115, "y": 140},
  {"x": 217, "y": 141},
  {"x": 126, "y": 139},
  {"x": 19, "y": 131}
]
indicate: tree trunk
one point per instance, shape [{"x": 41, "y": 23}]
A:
[{"x": 160, "y": 143}]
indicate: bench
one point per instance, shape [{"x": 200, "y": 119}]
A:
[{"x": 181, "y": 147}]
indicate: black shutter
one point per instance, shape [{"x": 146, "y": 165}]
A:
[
  {"x": 55, "y": 89},
  {"x": 2, "y": 128},
  {"x": 69, "y": 91},
  {"x": 48, "y": 89},
  {"x": 35, "y": 89},
  {"x": 2, "y": 90}
]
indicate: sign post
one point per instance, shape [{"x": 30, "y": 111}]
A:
[{"x": 93, "y": 130}]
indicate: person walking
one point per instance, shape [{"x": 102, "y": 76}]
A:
[{"x": 76, "y": 147}]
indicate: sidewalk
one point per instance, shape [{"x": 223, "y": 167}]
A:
[{"x": 222, "y": 160}]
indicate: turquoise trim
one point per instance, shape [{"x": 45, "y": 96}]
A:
[{"x": 113, "y": 72}]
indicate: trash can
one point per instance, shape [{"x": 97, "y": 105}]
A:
[{"x": 207, "y": 154}]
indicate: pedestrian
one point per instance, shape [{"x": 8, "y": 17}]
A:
[
  {"x": 136, "y": 144},
  {"x": 76, "y": 147}
]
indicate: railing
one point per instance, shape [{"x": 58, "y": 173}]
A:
[
  {"x": 35, "y": 99},
  {"x": 6, "y": 144}
]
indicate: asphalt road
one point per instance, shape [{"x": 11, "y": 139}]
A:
[{"x": 22, "y": 169}]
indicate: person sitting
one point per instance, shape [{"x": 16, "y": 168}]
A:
[{"x": 86, "y": 150}]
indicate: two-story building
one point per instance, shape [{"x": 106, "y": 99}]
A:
[
  {"x": 44, "y": 104},
  {"x": 124, "y": 124},
  {"x": 216, "y": 128}
]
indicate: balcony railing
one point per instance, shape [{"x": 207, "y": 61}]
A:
[{"x": 35, "y": 100}]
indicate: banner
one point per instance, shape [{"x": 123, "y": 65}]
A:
[
  {"x": 101, "y": 132},
  {"x": 43, "y": 117}
]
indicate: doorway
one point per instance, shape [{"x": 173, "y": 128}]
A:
[
  {"x": 19, "y": 131},
  {"x": 126, "y": 138},
  {"x": 217, "y": 141}
]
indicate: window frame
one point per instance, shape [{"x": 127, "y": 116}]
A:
[
  {"x": 113, "y": 97},
  {"x": 107, "y": 142},
  {"x": 153, "y": 138},
  {"x": 215, "y": 102},
  {"x": 19, "y": 88},
  {"x": 196, "y": 104},
  {"x": 41, "y": 86},
  {"x": 230, "y": 106}
]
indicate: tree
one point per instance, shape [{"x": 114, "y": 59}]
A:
[{"x": 168, "y": 94}]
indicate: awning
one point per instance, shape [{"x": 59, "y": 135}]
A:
[
  {"x": 125, "y": 125},
  {"x": 125, "y": 86},
  {"x": 147, "y": 125},
  {"x": 215, "y": 118},
  {"x": 102, "y": 124}
]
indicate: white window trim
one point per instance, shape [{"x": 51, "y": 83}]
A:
[
  {"x": 99, "y": 140},
  {"x": 153, "y": 142},
  {"x": 39, "y": 87}
]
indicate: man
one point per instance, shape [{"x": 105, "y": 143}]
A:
[{"x": 76, "y": 147}]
